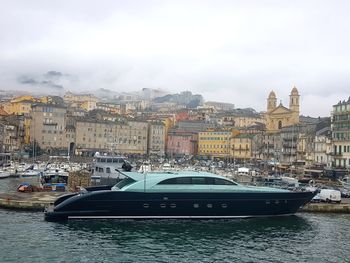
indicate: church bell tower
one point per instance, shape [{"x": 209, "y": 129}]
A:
[{"x": 271, "y": 101}]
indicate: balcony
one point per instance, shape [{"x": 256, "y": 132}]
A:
[
  {"x": 50, "y": 124},
  {"x": 337, "y": 154}
]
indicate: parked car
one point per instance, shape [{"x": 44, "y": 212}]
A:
[
  {"x": 316, "y": 199},
  {"x": 330, "y": 195}
]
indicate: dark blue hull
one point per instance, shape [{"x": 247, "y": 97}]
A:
[{"x": 119, "y": 204}]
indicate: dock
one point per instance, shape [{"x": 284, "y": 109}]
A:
[
  {"x": 36, "y": 201},
  {"x": 342, "y": 208}
]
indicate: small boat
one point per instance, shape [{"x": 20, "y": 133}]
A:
[
  {"x": 4, "y": 174},
  {"x": 30, "y": 173},
  {"x": 177, "y": 195}
]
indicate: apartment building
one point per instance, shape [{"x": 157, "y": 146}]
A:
[
  {"x": 340, "y": 126},
  {"x": 48, "y": 126},
  {"x": 241, "y": 146},
  {"x": 157, "y": 138},
  {"x": 214, "y": 143},
  {"x": 124, "y": 137}
]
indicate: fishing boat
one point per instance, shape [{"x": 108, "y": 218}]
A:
[{"x": 183, "y": 194}]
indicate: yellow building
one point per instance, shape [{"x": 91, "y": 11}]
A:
[
  {"x": 26, "y": 126},
  {"x": 21, "y": 107},
  {"x": 280, "y": 116},
  {"x": 23, "y": 98},
  {"x": 241, "y": 146},
  {"x": 214, "y": 143}
]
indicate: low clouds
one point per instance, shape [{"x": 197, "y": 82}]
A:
[{"x": 47, "y": 82}]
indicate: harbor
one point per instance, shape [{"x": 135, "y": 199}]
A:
[{"x": 42, "y": 195}]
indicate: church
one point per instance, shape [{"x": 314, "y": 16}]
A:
[{"x": 281, "y": 116}]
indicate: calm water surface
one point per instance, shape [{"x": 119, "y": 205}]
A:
[{"x": 26, "y": 237}]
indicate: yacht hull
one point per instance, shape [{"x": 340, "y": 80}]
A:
[{"x": 108, "y": 204}]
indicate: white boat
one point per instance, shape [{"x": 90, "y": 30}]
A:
[
  {"x": 30, "y": 173},
  {"x": 4, "y": 174},
  {"x": 105, "y": 169}
]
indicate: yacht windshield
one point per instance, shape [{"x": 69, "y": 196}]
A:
[
  {"x": 197, "y": 180},
  {"x": 123, "y": 183}
]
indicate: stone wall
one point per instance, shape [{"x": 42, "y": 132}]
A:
[{"x": 77, "y": 179}]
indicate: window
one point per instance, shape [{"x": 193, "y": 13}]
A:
[
  {"x": 219, "y": 181},
  {"x": 280, "y": 125},
  {"x": 124, "y": 183},
  {"x": 197, "y": 181},
  {"x": 108, "y": 170}
]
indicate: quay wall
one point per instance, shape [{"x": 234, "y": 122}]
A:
[{"x": 326, "y": 208}]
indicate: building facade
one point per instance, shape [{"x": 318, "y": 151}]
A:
[
  {"x": 214, "y": 144},
  {"x": 241, "y": 146},
  {"x": 124, "y": 138},
  {"x": 181, "y": 143},
  {"x": 48, "y": 127},
  {"x": 340, "y": 125},
  {"x": 279, "y": 116},
  {"x": 156, "y": 138}
]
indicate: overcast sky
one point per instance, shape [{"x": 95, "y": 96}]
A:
[{"x": 230, "y": 51}]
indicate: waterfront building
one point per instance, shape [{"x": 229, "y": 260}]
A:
[
  {"x": 11, "y": 137},
  {"x": 214, "y": 144},
  {"x": 48, "y": 127},
  {"x": 122, "y": 137},
  {"x": 279, "y": 116},
  {"x": 305, "y": 143},
  {"x": 93, "y": 136},
  {"x": 157, "y": 138},
  {"x": 287, "y": 153},
  {"x": 323, "y": 149},
  {"x": 323, "y": 143},
  {"x": 241, "y": 146},
  {"x": 340, "y": 125},
  {"x": 181, "y": 143}
]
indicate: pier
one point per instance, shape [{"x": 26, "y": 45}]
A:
[
  {"x": 36, "y": 201},
  {"x": 343, "y": 207}
]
